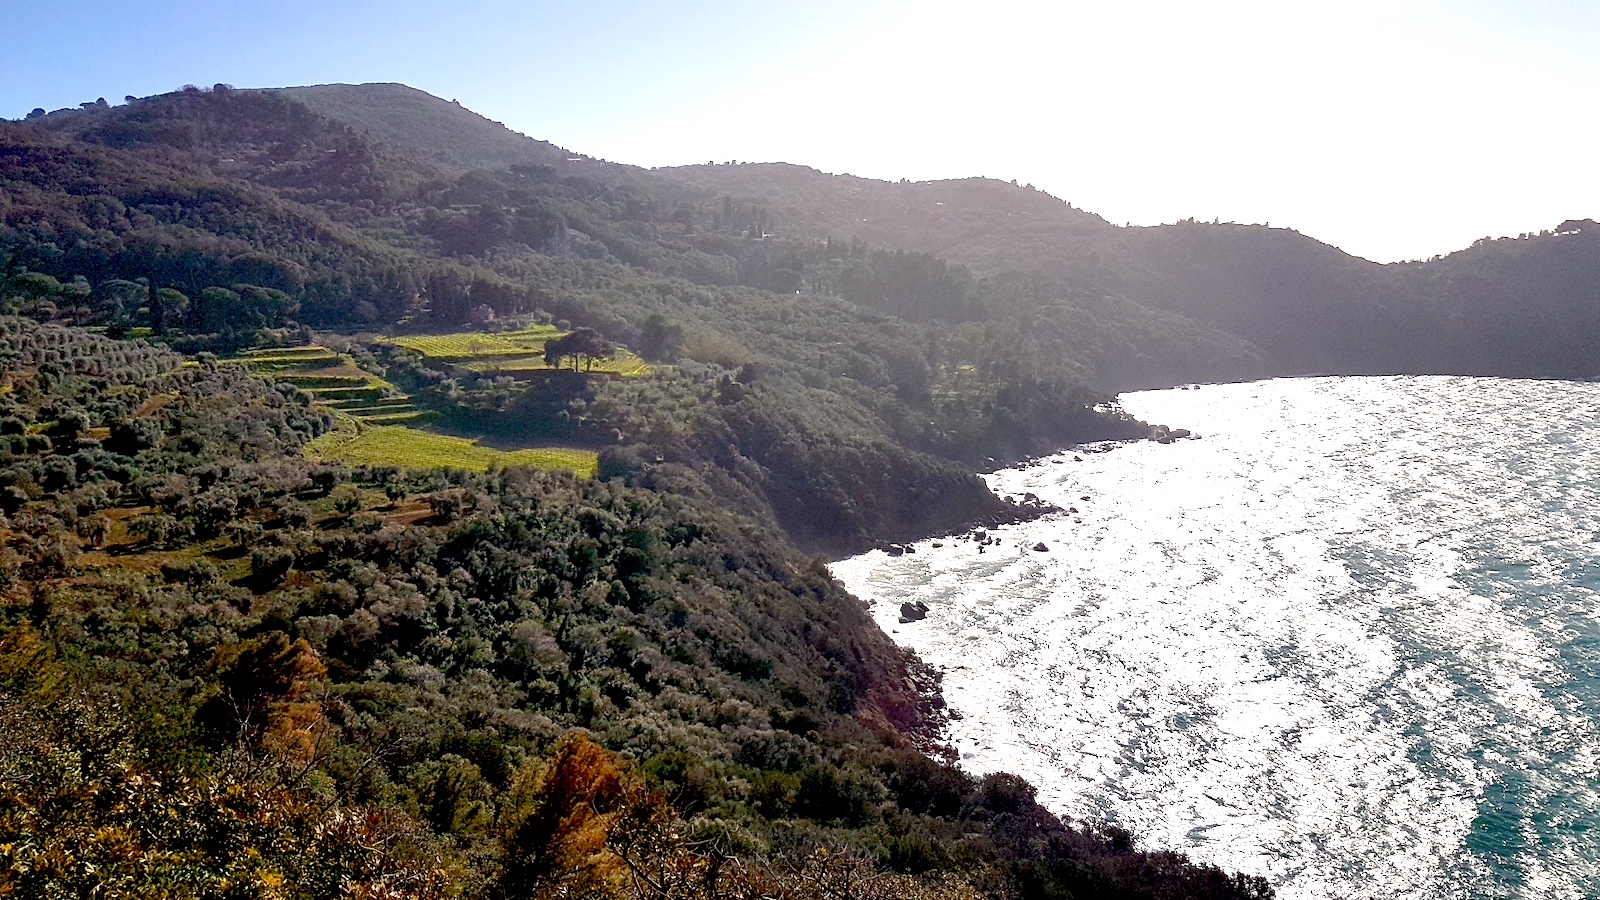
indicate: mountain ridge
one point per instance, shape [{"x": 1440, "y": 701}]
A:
[{"x": 1309, "y": 306}]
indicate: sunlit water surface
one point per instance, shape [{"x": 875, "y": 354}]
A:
[{"x": 1349, "y": 640}]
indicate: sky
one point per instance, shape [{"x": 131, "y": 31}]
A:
[{"x": 1395, "y": 130}]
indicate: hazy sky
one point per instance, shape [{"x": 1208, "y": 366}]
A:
[{"x": 1393, "y": 129}]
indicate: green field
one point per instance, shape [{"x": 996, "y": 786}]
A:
[
  {"x": 509, "y": 352},
  {"x": 397, "y": 445},
  {"x": 478, "y": 344},
  {"x": 376, "y": 416},
  {"x": 334, "y": 380},
  {"x": 624, "y": 364}
]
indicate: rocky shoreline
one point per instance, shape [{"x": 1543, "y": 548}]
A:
[
  {"x": 925, "y": 681},
  {"x": 1029, "y": 507}
]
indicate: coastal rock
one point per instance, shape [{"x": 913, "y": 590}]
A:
[
  {"x": 913, "y": 612},
  {"x": 894, "y": 550},
  {"x": 1041, "y": 548}
]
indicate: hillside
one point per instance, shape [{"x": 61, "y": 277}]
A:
[
  {"x": 373, "y": 525},
  {"x": 1302, "y": 305},
  {"x": 425, "y": 127},
  {"x": 987, "y": 225},
  {"x": 1524, "y": 306}
]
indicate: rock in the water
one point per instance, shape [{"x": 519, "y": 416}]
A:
[
  {"x": 894, "y": 550},
  {"x": 937, "y": 544},
  {"x": 913, "y": 612},
  {"x": 1040, "y": 548},
  {"x": 910, "y": 549}
]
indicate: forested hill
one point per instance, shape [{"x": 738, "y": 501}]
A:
[
  {"x": 234, "y": 662},
  {"x": 988, "y": 225},
  {"x": 1522, "y": 306},
  {"x": 425, "y": 127}
]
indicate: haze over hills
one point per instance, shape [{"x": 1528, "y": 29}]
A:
[
  {"x": 1527, "y": 306},
  {"x": 426, "y": 127},
  {"x": 1519, "y": 306}
]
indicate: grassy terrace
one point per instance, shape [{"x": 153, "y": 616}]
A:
[
  {"x": 334, "y": 380},
  {"x": 375, "y": 415},
  {"x": 512, "y": 352},
  {"x": 394, "y": 445}
]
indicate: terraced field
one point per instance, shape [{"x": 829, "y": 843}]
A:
[
  {"x": 375, "y": 417},
  {"x": 333, "y": 380},
  {"x": 513, "y": 352},
  {"x": 465, "y": 345},
  {"x": 391, "y": 445}
]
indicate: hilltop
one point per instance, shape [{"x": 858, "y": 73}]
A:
[
  {"x": 1519, "y": 306},
  {"x": 423, "y": 126}
]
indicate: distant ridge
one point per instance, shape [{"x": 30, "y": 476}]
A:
[
  {"x": 425, "y": 127},
  {"x": 955, "y": 218},
  {"x": 1527, "y": 306}
]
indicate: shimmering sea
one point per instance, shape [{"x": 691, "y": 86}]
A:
[{"x": 1348, "y": 639}]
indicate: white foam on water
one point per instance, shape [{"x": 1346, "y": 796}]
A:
[{"x": 1339, "y": 641}]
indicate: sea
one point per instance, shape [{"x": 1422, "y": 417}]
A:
[{"x": 1348, "y": 638}]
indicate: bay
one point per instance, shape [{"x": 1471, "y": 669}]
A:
[{"x": 1349, "y": 639}]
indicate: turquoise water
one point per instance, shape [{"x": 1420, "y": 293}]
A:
[{"x": 1350, "y": 639}]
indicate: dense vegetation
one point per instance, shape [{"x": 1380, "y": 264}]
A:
[
  {"x": 235, "y": 661},
  {"x": 1527, "y": 305},
  {"x": 222, "y": 219},
  {"x": 226, "y": 670},
  {"x": 262, "y": 636}
]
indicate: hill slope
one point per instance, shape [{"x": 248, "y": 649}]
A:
[
  {"x": 1523, "y": 307},
  {"x": 421, "y": 125},
  {"x": 392, "y": 679},
  {"x": 1308, "y": 306}
]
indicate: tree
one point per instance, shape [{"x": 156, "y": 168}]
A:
[
  {"x": 582, "y": 345},
  {"x": 119, "y": 299},
  {"x": 660, "y": 339}
]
